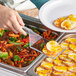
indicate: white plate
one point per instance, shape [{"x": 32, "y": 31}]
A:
[{"x": 55, "y": 9}]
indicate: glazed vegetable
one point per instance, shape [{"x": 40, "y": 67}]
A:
[
  {"x": 49, "y": 35},
  {"x": 19, "y": 48},
  {"x": 6, "y": 30},
  {"x": 13, "y": 39},
  {"x": 1, "y": 33},
  {"x": 30, "y": 62},
  {"x": 13, "y": 35},
  {"x": 26, "y": 45},
  {"x": 15, "y": 43},
  {"x": 15, "y": 50},
  {"x": 10, "y": 54},
  {"x": 22, "y": 36},
  {"x": 17, "y": 58},
  {"x": 35, "y": 30},
  {"x": 42, "y": 44},
  {"x": 3, "y": 55}
]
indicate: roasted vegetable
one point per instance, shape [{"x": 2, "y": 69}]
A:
[
  {"x": 30, "y": 62},
  {"x": 3, "y": 55},
  {"x": 26, "y": 45},
  {"x": 17, "y": 58},
  {"x": 1, "y": 33},
  {"x": 23, "y": 36},
  {"x": 15, "y": 43},
  {"x": 13, "y": 39},
  {"x": 15, "y": 50},
  {"x": 19, "y": 48}
]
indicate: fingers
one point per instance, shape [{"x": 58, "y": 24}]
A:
[
  {"x": 13, "y": 22},
  {"x": 17, "y": 26},
  {"x": 9, "y": 26},
  {"x": 5, "y": 27},
  {"x": 19, "y": 19}
]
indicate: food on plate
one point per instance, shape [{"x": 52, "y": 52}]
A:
[
  {"x": 14, "y": 49},
  {"x": 52, "y": 48},
  {"x": 58, "y": 22},
  {"x": 64, "y": 64},
  {"x": 67, "y": 23}
]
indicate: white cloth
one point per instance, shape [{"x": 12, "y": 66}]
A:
[
  {"x": 18, "y": 1},
  {"x": 26, "y": 5},
  {"x": 20, "y": 6}
]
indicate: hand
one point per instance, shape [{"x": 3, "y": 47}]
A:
[{"x": 10, "y": 19}]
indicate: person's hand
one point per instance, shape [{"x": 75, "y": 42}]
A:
[{"x": 10, "y": 19}]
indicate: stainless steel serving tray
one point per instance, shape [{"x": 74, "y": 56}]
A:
[
  {"x": 32, "y": 72},
  {"x": 72, "y": 35},
  {"x": 22, "y": 70},
  {"x": 31, "y": 22}
]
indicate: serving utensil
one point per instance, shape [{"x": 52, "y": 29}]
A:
[{"x": 37, "y": 42}]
